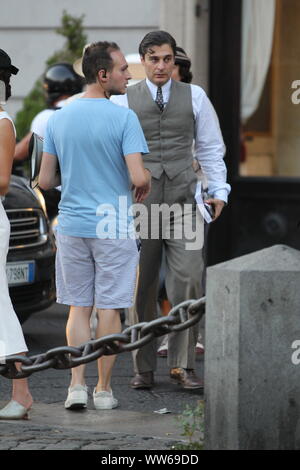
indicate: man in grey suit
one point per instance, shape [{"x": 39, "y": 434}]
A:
[{"x": 173, "y": 115}]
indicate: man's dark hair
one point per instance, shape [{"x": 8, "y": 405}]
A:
[
  {"x": 186, "y": 75},
  {"x": 97, "y": 57},
  {"x": 156, "y": 38}
]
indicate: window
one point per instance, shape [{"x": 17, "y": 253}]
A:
[{"x": 271, "y": 133}]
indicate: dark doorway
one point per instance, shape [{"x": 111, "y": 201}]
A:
[{"x": 262, "y": 210}]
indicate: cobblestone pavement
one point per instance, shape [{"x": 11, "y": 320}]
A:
[
  {"x": 50, "y": 438},
  {"x": 51, "y": 427}
]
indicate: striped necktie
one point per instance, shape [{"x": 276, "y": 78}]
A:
[{"x": 159, "y": 99}]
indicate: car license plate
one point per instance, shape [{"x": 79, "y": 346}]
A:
[{"x": 20, "y": 273}]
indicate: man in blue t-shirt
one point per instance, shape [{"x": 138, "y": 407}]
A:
[{"x": 99, "y": 148}]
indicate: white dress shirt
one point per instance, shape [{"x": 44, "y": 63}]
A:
[
  {"x": 209, "y": 148},
  {"x": 39, "y": 123}
]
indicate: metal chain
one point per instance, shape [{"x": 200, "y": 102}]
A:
[{"x": 181, "y": 317}]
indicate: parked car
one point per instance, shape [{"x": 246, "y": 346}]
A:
[{"x": 31, "y": 258}]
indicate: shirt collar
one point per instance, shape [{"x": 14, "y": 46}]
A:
[{"x": 165, "y": 88}]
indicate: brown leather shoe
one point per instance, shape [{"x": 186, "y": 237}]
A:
[
  {"x": 186, "y": 377},
  {"x": 143, "y": 380}
]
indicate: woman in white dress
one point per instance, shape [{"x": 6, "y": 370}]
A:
[{"x": 11, "y": 336}]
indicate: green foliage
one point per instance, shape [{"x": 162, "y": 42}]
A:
[
  {"x": 72, "y": 29},
  {"x": 192, "y": 423}
]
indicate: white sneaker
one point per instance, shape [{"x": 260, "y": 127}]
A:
[
  {"x": 104, "y": 400},
  {"x": 77, "y": 397}
]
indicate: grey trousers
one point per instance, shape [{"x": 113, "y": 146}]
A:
[{"x": 184, "y": 266}]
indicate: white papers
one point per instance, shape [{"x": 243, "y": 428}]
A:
[
  {"x": 201, "y": 205},
  {"x": 162, "y": 411}
]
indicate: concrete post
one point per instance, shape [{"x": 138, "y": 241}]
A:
[{"x": 252, "y": 370}]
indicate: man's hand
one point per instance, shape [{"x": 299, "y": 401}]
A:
[
  {"x": 217, "y": 205},
  {"x": 139, "y": 175},
  {"x": 140, "y": 194}
]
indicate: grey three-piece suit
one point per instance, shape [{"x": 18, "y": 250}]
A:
[{"x": 169, "y": 135}]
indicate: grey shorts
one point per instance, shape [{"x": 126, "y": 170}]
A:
[{"x": 91, "y": 271}]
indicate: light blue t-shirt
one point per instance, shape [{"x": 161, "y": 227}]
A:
[{"x": 90, "y": 138}]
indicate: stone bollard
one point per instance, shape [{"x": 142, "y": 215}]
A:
[{"x": 252, "y": 366}]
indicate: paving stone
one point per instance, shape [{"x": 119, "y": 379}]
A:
[
  {"x": 7, "y": 445},
  {"x": 108, "y": 437},
  {"x": 65, "y": 445},
  {"x": 94, "y": 447},
  {"x": 32, "y": 446}
]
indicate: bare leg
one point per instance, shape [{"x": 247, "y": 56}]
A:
[
  {"x": 109, "y": 323},
  {"x": 20, "y": 391},
  {"x": 78, "y": 331}
]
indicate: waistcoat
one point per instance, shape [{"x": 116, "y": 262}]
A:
[{"x": 170, "y": 133}]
